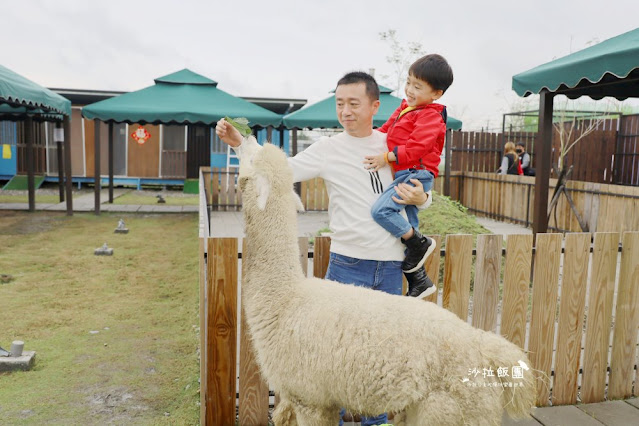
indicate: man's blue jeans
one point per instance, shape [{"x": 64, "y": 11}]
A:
[
  {"x": 385, "y": 276},
  {"x": 386, "y": 212}
]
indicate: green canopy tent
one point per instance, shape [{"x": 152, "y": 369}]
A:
[
  {"x": 610, "y": 68},
  {"x": 21, "y": 98},
  {"x": 183, "y": 97},
  {"x": 322, "y": 115}
]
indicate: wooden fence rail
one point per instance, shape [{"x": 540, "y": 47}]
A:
[
  {"x": 572, "y": 295},
  {"x": 605, "y": 208}
]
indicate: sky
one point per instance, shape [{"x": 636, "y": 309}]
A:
[{"x": 299, "y": 49}]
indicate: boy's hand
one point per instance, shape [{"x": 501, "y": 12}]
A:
[
  {"x": 228, "y": 134},
  {"x": 374, "y": 162}
]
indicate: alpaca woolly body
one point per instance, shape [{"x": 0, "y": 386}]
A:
[{"x": 325, "y": 345}]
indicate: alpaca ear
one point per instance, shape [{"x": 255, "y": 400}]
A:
[{"x": 263, "y": 187}]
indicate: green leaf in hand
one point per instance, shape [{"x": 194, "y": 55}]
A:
[{"x": 241, "y": 124}]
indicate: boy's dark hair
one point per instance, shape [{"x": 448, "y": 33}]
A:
[
  {"x": 434, "y": 70},
  {"x": 521, "y": 144},
  {"x": 372, "y": 89}
]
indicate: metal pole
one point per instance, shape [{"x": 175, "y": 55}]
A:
[
  {"x": 59, "y": 145},
  {"x": 269, "y": 133},
  {"x": 111, "y": 162},
  {"x": 67, "y": 164},
  {"x": 281, "y": 129},
  {"x": 540, "y": 212},
  {"x": 298, "y": 185},
  {"x": 28, "y": 134},
  {"x": 449, "y": 136},
  {"x": 96, "y": 156}
]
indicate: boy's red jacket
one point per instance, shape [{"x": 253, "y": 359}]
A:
[{"x": 417, "y": 137}]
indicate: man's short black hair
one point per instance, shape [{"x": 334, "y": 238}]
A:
[
  {"x": 372, "y": 89},
  {"x": 520, "y": 143},
  {"x": 434, "y": 70}
]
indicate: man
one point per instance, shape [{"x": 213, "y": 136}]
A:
[
  {"x": 524, "y": 158},
  {"x": 362, "y": 253}
]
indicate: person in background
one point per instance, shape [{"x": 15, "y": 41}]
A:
[
  {"x": 510, "y": 161},
  {"x": 524, "y": 158}
]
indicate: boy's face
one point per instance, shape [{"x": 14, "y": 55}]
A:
[
  {"x": 355, "y": 109},
  {"x": 418, "y": 92}
]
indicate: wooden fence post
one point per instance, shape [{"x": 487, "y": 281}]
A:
[
  {"x": 457, "y": 266},
  {"x": 624, "y": 345},
  {"x": 544, "y": 307},
  {"x": 221, "y": 331}
]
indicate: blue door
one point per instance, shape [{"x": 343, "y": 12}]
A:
[{"x": 8, "y": 154}]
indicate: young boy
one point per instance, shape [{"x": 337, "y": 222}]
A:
[{"x": 415, "y": 137}]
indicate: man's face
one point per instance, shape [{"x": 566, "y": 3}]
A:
[{"x": 355, "y": 109}]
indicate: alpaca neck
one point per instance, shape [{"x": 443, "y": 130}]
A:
[{"x": 272, "y": 251}]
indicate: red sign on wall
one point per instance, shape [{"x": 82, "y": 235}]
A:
[{"x": 141, "y": 135}]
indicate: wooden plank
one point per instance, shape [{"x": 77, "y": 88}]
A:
[
  {"x": 253, "y": 391},
  {"x": 304, "y": 194},
  {"x": 516, "y": 288},
  {"x": 598, "y": 326},
  {"x": 571, "y": 314},
  {"x": 544, "y": 305},
  {"x": 215, "y": 187},
  {"x": 624, "y": 345},
  {"x": 221, "y": 330},
  {"x": 203, "y": 305},
  {"x": 457, "y": 265},
  {"x": 486, "y": 288},
  {"x": 432, "y": 266},
  {"x": 321, "y": 254}
]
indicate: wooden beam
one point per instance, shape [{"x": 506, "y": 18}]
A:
[
  {"x": 298, "y": 186},
  {"x": 96, "y": 157},
  {"x": 449, "y": 151},
  {"x": 28, "y": 134},
  {"x": 543, "y": 151},
  {"x": 269, "y": 134},
  {"x": 110, "y": 162},
  {"x": 281, "y": 129},
  {"x": 66, "y": 124}
]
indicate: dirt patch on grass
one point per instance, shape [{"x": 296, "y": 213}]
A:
[
  {"x": 115, "y": 406},
  {"x": 23, "y": 224}
]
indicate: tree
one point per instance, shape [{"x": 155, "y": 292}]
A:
[
  {"x": 572, "y": 127},
  {"x": 401, "y": 57}
]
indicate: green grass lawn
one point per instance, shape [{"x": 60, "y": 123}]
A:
[
  {"x": 142, "y": 366},
  {"x": 40, "y": 198},
  {"x": 136, "y": 197}
]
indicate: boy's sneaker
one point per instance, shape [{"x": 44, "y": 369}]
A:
[
  {"x": 419, "y": 284},
  {"x": 419, "y": 247}
]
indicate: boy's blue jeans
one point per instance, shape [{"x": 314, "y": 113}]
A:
[
  {"x": 384, "y": 276},
  {"x": 386, "y": 212}
]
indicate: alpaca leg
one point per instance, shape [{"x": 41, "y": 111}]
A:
[
  {"x": 479, "y": 407},
  {"x": 284, "y": 414},
  {"x": 437, "y": 409},
  {"x": 316, "y": 416}
]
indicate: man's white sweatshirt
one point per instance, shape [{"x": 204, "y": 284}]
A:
[{"x": 352, "y": 190}]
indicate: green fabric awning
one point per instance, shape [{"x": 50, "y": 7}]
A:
[
  {"x": 610, "y": 68},
  {"x": 18, "y": 91},
  {"x": 322, "y": 114},
  {"x": 183, "y": 97}
]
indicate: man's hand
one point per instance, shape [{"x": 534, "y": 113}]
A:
[
  {"x": 409, "y": 194},
  {"x": 228, "y": 134},
  {"x": 374, "y": 162}
]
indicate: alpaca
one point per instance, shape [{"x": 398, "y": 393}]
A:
[{"x": 317, "y": 342}]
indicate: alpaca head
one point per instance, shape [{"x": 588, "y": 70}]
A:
[{"x": 265, "y": 174}]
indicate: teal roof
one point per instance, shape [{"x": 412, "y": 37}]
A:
[
  {"x": 596, "y": 71},
  {"x": 322, "y": 114},
  {"x": 179, "y": 98},
  {"x": 18, "y": 91}
]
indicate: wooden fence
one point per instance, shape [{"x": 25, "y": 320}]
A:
[
  {"x": 577, "y": 296},
  {"x": 605, "y": 208},
  {"x": 607, "y": 155},
  {"x": 575, "y": 293}
]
